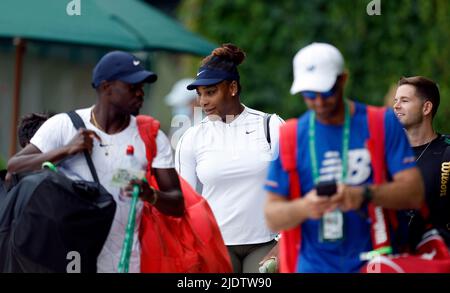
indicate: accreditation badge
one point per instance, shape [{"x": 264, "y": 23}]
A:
[{"x": 332, "y": 226}]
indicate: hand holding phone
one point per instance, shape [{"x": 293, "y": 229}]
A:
[{"x": 326, "y": 188}]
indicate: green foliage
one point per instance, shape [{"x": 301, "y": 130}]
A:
[
  {"x": 410, "y": 37},
  {"x": 2, "y": 163}
]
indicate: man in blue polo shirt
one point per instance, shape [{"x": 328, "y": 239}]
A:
[{"x": 331, "y": 139}]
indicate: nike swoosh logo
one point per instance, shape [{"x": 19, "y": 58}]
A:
[
  {"x": 248, "y": 132},
  {"x": 136, "y": 62},
  {"x": 200, "y": 72}
]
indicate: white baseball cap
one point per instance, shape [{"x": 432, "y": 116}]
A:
[{"x": 316, "y": 68}]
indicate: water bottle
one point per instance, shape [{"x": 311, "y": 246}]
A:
[{"x": 129, "y": 168}]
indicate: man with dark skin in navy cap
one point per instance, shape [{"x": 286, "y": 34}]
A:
[{"x": 118, "y": 79}]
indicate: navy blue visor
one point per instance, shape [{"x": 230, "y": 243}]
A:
[{"x": 209, "y": 76}]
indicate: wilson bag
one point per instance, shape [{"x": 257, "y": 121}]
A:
[
  {"x": 47, "y": 220},
  {"x": 430, "y": 256}
]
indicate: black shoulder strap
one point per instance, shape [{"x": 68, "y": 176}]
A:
[
  {"x": 267, "y": 128},
  {"x": 78, "y": 123}
]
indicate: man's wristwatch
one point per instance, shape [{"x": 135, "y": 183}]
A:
[
  {"x": 367, "y": 195},
  {"x": 151, "y": 198},
  {"x": 155, "y": 196}
]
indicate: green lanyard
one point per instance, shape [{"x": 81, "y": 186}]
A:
[{"x": 345, "y": 143}]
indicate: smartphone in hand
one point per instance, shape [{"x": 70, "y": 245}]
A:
[{"x": 326, "y": 188}]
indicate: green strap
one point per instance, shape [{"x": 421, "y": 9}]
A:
[
  {"x": 125, "y": 255},
  {"x": 384, "y": 250},
  {"x": 345, "y": 143},
  {"x": 50, "y": 166}
]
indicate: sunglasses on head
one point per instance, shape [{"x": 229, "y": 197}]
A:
[{"x": 325, "y": 95}]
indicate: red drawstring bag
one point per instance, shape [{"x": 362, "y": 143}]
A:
[{"x": 189, "y": 244}]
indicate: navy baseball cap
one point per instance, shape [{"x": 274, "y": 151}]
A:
[
  {"x": 210, "y": 76},
  {"x": 123, "y": 66}
]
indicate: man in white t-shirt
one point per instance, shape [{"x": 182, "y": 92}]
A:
[{"x": 118, "y": 79}]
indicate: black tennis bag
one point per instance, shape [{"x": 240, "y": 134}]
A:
[{"x": 50, "y": 223}]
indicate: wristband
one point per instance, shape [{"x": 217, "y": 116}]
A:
[{"x": 367, "y": 195}]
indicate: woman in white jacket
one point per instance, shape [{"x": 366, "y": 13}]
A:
[{"x": 228, "y": 153}]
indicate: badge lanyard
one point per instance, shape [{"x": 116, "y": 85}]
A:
[
  {"x": 332, "y": 223},
  {"x": 345, "y": 143}
]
